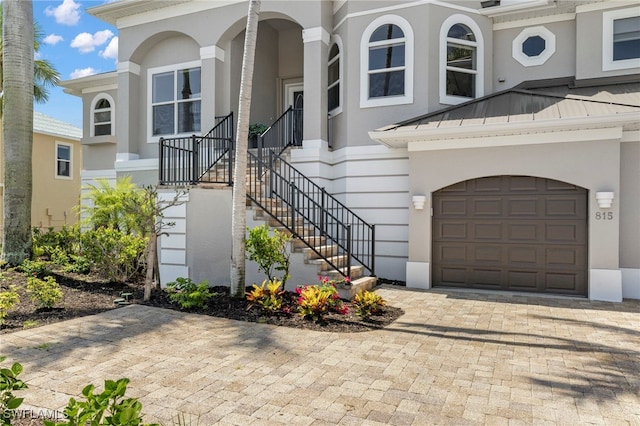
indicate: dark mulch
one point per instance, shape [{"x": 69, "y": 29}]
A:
[
  {"x": 225, "y": 306},
  {"x": 88, "y": 295}
]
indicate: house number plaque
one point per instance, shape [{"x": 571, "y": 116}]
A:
[{"x": 604, "y": 215}]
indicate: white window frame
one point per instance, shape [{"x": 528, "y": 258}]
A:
[
  {"x": 337, "y": 40},
  {"x": 407, "y": 98},
  {"x": 608, "y": 64},
  {"x": 479, "y": 46},
  {"x": 158, "y": 70},
  {"x": 531, "y": 61},
  {"x": 94, "y": 102},
  {"x": 55, "y": 165}
]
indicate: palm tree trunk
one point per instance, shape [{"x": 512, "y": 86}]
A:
[
  {"x": 239, "y": 212},
  {"x": 17, "y": 61}
]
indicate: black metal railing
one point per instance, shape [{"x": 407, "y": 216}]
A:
[
  {"x": 284, "y": 132},
  {"x": 317, "y": 218},
  {"x": 192, "y": 159}
]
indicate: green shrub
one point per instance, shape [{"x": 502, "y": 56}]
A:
[
  {"x": 315, "y": 301},
  {"x": 117, "y": 255},
  {"x": 9, "y": 382},
  {"x": 63, "y": 241},
  {"x": 44, "y": 293},
  {"x": 269, "y": 299},
  {"x": 8, "y": 299},
  {"x": 59, "y": 256},
  {"x": 78, "y": 265},
  {"x": 368, "y": 303},
  {"x": 189, "y": 295},
  {"x": 268, "y": 250},
  {"x": 35, "y": 268},
  {"x": 110, "y": 407}
]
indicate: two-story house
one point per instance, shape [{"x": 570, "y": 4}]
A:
[
  {"x": 56, "y": 161},
  {"x": 485, "y": 145}
]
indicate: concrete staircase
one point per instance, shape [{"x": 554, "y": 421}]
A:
[{"x": 310, "y": 253}]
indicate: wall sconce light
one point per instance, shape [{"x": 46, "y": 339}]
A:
[
  {"x": 604, "y": 199},
  {"x": 419, "y": 201}
]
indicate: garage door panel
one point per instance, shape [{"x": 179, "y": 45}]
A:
[
  {"x": 513, "y": 233},
  {"x": 486, "y": 278},
  {"x": 518, "y": 207},
  {"x": 523, "y": 280},
  {"x": 487, "y": 231}
]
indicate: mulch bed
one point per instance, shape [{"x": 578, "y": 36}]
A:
[{"x": 88, "y": 295}]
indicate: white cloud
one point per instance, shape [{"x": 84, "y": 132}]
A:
[
  {"x": 52, "y": 39},
  {"x": 111, "y": 51},
  {"x": 86, "y": 42},
  {"x": 68, "y": 13},
  {"x": 82, "y": 72}
]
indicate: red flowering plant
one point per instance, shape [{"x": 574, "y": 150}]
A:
[{"x": 315, "y": 301}]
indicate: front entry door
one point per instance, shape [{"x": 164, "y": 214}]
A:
[{"x": 294, "y": 97}]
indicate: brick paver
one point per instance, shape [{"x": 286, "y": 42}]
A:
[{"x": 455, "y": 357}]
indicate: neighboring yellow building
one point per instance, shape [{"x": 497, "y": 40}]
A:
[{"x": 57, "y": 160}]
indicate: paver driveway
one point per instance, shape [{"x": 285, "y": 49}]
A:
[{"x": 454, "y": 357}]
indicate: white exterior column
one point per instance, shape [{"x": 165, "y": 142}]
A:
[
  {"x": 127, "y": 111},
  {"x": 210, "y": 56},
  {"x": 316, "y": 51}
]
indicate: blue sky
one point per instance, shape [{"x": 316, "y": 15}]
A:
[{"x": 77, "y": 44}]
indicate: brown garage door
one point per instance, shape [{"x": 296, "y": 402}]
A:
[{"x": 516, "y": 233}]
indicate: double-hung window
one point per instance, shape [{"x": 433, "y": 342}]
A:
[
  {"x": 387, "y": 62},
  {"x": 461, "y": 65},
  {"x": 63, "y": 160},
  {"x": 175, "y": 100},
  {"x": 621, "y": 39}
]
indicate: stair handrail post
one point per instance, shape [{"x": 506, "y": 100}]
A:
[
  {"x": 161, "y": 160},
  {"x": 373, "y": 249},
  {"x": 294, "y": 206},
  {"x": 269, "y": 190},
  {"x": 196, "y": 160},
  {"x": 260, "y": 147},
  {"x": 349, "y": 251},
  {"x": 323, "y": 212}
]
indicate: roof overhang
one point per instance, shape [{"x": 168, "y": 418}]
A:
[
  {"x": 91, "y": 83},
  {"x": 111, "y": 12},
  {"x": 415, "y": 138}
]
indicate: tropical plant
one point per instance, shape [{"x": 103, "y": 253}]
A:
[
  {"x": 115, "y": 254},
  {"x": 8, "y": 299},
  {"x": 188, "y": 294},
  {"x": 17, "y": 96},
  {"x": 368, "y": 303},
  {"x": 269, "y": 299},
  {"x": 45, "y": 75},
  {"x": 45, "y": 293},
  {"x": 269, "y": 251},
  {"x": 239, "y": 207},
  {"x": 109, "y": 407},
  {"x": 35, "y": 268},
  {"x": 315, "y": 301},
  {"x": 9, "y": 382}
]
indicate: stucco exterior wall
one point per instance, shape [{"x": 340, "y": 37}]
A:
[
  {"x": 54, "y": 199},
  {"x": 630, "y": 204},
  {"x": 589, "y": 42}
]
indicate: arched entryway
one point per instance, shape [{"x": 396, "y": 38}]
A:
[{"x": 516, "y": 233}]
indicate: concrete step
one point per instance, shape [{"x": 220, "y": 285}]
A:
[
  {"x": 349, "y": 291},
  {"x": 325, "y": 251}
]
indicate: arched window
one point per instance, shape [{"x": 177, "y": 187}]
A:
[
  {"x": 387, "y": 62},
  {"x": 102, "y": 115},
  {"x": 461, "y": 60},
  {"x": 334, "y": 95}
]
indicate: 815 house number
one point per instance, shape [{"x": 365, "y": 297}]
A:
[{"x": 604, "y": 215}]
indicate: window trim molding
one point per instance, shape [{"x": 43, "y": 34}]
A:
[
  {"x": 479, "y": 45},
  {"x": 531, "y": 61},
  {"x": 55, "y": 166},
  {"x": 94, "y": 101},
  {"x": 158, "y": 70},
  {"x": 608, "y": 64},
  {"x": 336, "y": 39},
  {"x": 406, "y": 28}
]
